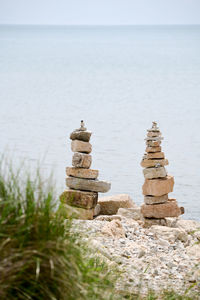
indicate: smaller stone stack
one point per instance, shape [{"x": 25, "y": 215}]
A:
[
  {"x": 157, "y": 183},
  {"x": 82, "y": 183}
]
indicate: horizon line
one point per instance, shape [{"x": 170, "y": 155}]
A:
[{"x": 27, "y": 24}]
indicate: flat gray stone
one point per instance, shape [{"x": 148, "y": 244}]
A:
[
  {"x": 108, "y": 218},
  {"x": 150, "y": 173},
  {"x": 155, "y": 138},
  {"x": 88, "y": 185},
  {"x": 155, "y": 200}
]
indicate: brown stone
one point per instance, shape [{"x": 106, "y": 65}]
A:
[
  {"x": 80, "y": 160},
  {"x": 111, "y": 204},
  {"x": 77, "y": 212},
  {"x": 168, "y": 221},
  {"x": 81, "y": 135},
  {"x": 159, "y": 155},
  {"x": 154, "y": 133},
  {"x": 81, "y": 199},
  {"x": 153, "y": 149},
  {"x": 154, "y": 139},
  {"x": 80, "y": 146},
  {"x": 155, "y": 200},
  {"x": 84, "y": 214},
  {"x": 82, "y": 173},
  {"x": 158, "y": 187},
  {"x": 148, "y": 222},
  {"x": 88, "y": 185},
  {"x": 153, "y": 143},
  {"x": 148, "y": 163},
  {"x": 160, "y": 211},
  {"x": 150, "y": 173}
]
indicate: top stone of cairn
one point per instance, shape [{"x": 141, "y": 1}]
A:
[
  {"x": 81, "y": 133},
  {"x": 154, "y": 128},
  {"x": 154, "y": 137}
]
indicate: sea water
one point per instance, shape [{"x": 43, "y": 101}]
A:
[{"x": 118, "y": 80}]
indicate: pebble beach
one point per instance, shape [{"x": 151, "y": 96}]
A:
[{"x": 156, "y": 258}]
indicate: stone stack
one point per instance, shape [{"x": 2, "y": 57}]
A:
[
  {"x": 157, "y": 206},
  {"x": 83, "y": 185}
]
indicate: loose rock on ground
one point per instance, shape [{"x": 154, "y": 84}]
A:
[{"x": 154, "y": 258}]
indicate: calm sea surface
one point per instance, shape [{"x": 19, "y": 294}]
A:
[{"x": 118, "y": 80}]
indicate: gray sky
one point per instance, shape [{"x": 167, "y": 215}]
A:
[{"x": 100, "y": 12}]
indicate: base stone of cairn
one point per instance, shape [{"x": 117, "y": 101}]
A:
[
  {"x": 157, "y": 206},
  {"x": 83, "y": 185}
]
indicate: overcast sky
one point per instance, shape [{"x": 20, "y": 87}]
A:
[{"x": 105, "y": 12}]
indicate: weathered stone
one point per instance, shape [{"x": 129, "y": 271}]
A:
[
  {"x": 80, "y": 160},
  {"x": 155, "y": 138},
  {"x": 154, "y": 155},
  {"x": 81, "y": 135},
  {"x": 154, "y": 134},
  {"x": 158, "y": 187},
  {"x": 194, "y": 251},
  {"x": 141, "y": 252},
  {"x": 108, "y": 218},
  {"x": 171, "y": 222},
  {"x": 153, "y": 143},
  {"x": 77, "y": 212},
  {"x": 155, "y": 200},
  {"x": 80, "y": 146},
  {"x": 84, "y": 214},
  {"x": 114, "y": 229},
  {"x": 81, "y": 199},
  {"x": 150, "y": 173},
  {"x": 160, "y": 211},
  {"x": 88, "y": 185},
  {"x": 148, "y": 222},
  {"x": 154, "y": 127},
  {"x": 148, "y": 163},
  {"x": 82, "y": 173},
  {"x": 111, "y": 204},
  {"x": 130, "y": 213},
  {"x": 153, "y": 149},
  {"x": 97, "y": 210},
  {"x": 190, "y": 226},
  {"x": 168, "y": 233}
]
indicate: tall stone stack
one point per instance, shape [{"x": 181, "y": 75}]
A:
[
  {"x": 83, "y": 185},
  {"x": 157, "y": 206}
]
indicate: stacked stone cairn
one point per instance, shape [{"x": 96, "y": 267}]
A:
[
  {"x": 157, "y": 206},
  {"x": 83, "y": 185}
]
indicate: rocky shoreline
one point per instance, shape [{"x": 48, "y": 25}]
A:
[{"x": 153, "y": 258}]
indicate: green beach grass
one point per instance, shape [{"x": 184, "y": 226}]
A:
[{"x": 39, "y": 257}]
